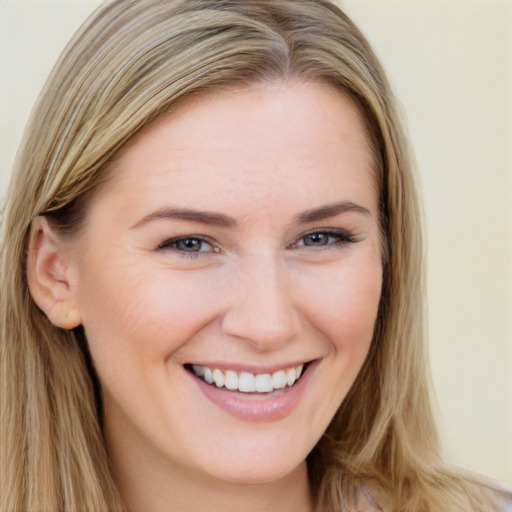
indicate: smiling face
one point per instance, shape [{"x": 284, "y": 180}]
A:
[{"x": 237, "y": 241}]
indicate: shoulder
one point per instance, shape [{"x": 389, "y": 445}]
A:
[
  {"x": 368, "y": 498},
  {"x": 507, "y": 505},
  {"x": 505, "y": 493}
]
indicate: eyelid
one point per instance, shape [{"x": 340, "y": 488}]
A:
[
  {"x": 343, "y": 237},
  {"x": 170, "y": 244}
]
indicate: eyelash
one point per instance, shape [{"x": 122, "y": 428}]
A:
[
  {"x": 340, "y": 237},
  {"x": 172, "y": 244}
]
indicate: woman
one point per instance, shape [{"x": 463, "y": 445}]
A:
[{"x": 212, "y": 289}]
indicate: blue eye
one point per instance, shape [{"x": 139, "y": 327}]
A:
[
  {"x": 324, "y": 238},
  {"x": 187, "y": 244},
  {"x": 316, "y": 239}
]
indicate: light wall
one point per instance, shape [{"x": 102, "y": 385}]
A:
[{"x": 450, "y": 63}]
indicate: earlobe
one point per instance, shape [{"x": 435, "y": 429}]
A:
[{"x": 49, "y": 276}]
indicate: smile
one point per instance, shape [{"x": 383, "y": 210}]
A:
[
  {"x": 246, "y": 382},
  {"x": 256, "y": 397}
]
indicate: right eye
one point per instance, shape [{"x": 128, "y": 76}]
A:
[{"x": 187, "y": 244}]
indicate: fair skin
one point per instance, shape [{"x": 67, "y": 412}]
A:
[{"x": 239, "y": 233}]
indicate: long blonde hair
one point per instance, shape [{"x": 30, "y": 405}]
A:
[{"x": 129, "y": 63}]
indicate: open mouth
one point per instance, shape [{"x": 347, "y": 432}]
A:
[{"x": 246, "y": 382}]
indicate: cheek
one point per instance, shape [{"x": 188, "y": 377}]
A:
[
  {"x": 345, "y": 311},
  {"x": 344, "y": 305},
  {"x": 129, "y": 311}
]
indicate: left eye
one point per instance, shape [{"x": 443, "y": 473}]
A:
[
  {"x": 187, "y": 244},
  {"x": 323, "y": 238}
]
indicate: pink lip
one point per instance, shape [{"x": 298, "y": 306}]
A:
[{"x": 258, "y": 406}]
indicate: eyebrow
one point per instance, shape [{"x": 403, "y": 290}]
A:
[
  {"x": 225, "y": 221},
  {"x": 203, "y": 217},
  {"x": 330, "y": 210}
]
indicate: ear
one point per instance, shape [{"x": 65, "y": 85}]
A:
[{"x": 49, "y": 275}]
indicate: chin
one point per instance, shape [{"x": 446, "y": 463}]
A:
[
  {"x": 253, "y": 460},
  {"x": 256, "y": 474}
]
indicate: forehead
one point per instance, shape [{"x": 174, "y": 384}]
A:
[{"x": 263, "y": 138}]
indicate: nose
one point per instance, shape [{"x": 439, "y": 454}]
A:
[{"x": 261, "y": 307}]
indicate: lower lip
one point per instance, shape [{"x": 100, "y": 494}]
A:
[{"x": 256, "y": 407}]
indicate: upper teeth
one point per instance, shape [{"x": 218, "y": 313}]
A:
[{"x": 249, "y": 382}]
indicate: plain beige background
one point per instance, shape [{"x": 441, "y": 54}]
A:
[{"x": 450, "y": 63}]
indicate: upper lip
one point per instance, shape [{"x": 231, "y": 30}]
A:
[{"x": 251, "y": 368}]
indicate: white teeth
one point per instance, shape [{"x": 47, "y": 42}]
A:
[
  {"x": 247, "y": 382},
  {"x": 207, "y": 376},
  {"x": 231, "y": 381},
  {"x": 279, "y": 379},
  {"x": 291, "y": 376},
  {"x": 264, "y": 383},
  {"x": 218, "y": 378}
]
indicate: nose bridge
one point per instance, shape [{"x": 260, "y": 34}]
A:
[{"x": 263, "y": 312}]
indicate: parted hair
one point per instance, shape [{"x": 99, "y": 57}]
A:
[{"x": 132, "y": 61}]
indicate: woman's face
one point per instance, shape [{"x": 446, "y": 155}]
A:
[{"x": 237, "y": 240}]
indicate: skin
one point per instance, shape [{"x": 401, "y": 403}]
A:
[{"x": 260, "y": 292}]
